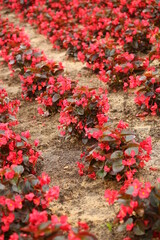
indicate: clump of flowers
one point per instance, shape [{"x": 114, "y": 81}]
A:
[
  {"x": 58, "y": 89},
  {"x": 16, "y": 150},
  {"x": 19, "y": 195},
  {"x": 8, "y": 108},
  {"x": 83, "y": 110},
  {"x": 139, "y": 210},
  {"x": 24, "y": 211},
  {"x": 136, "y": 35},
  {"x": 41, "y": 224},
  {"x": 116, "y": 154},
  {"x": 35, "y": 80},
  {"x": 148, "y": 96},
  {"x": 15, "y": 47},
  {"x": 40, "y": 78}
]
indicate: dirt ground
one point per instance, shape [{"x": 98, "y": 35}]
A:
[{"x": 80, "y": 198}]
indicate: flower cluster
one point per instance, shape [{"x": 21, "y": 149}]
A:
[
  {"x": 36, "y": 80},
  {"x": 85, "y": 109},
  {"x": 40, "y": 78},
  {"x": 8, "y": 108},
  {"x": 19, "y": 5},
  {"x": 115, "y": 154},
  {"x": 148, "y": 96},
  {"x": 16, "y": 150},
  {"x": 58, "y": 89},
  {"x": 15, "y": 47},
  {"x": 139, "y": 209}
]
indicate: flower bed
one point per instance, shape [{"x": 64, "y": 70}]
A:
[
  {"x": 24, "y": 196},
  {"x": 83, "y": 112},
  {"x": 116, "y": 154},
  {"x": 90, "y": 33},
  {"x": 139, "y": 210}
]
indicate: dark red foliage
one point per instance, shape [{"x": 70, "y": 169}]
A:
[
  {"x": 8, "y": 108},
  {"x": 118, "y": 40},
  {"x": 108, "y": 36},
  {"x": 139, "y": 210},
  {"x": 84, "y": 109},
  {"x": 116, "y": 154},
  {"x": 25, "y": 197}
]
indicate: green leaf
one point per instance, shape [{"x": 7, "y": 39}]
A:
[
  {"x": 59, "y": 238},
  {"x": 18, "y": 57},
  {"x": 16, "y": 189},
  {"x": 19, "y": 169},
  {"x": 45, "y": 188},
  {"x": 84, "y": 140},
  {"x": 92, "y": 130},
  {"x": 107, "y": 139},
  {"x": 11, "y": 62},
  {"x": 55, "y": 97},
  {"x": 70, "y": 100},
  {"x": 156, "y": 226},
  {"x": 80, "y": 111},
  {"x": 109, "y": 226},
  {"x": 24, "y": 139},
  {"x": 94, "y": 57},
  {"x": 2, "y": 187},
  {"x": 107, "y": 132},
  {"x": 112, "y": 52},
  {"x": 2, "y": 132},
  {"x": 123, "y": 201},
  {"x": 135, "y": 149},
  {"x": 138, "y": 231},
  {"x": 155, "y": 202},
  {"x": 29, "y": 52},
  {"x": 11, "y": 117},
  {"x": 22, "y": 46},
  {"x": 129, "y": 138},
  {"x": 14, "y": 180},
  {"x": 117, "y": 155},
  {"x": 117, "y": 166},
  {"x": 126, "y": 132},
  {"x": 27, "y": 187},
  {"x": 19, "y": 144},
  {"x": 130, "y": 190},
  {"x": 101, "y": 173},
  {"x": 107, "y": 124},
  {"x": 70, "y": 129},
  {"x": 25, "y": 160},
  {"x": 37, "y": 54},
  {"x": 142, "y": 78},
  {"x": 35, "y": 182},
  {"x": 58, "y": 72},
  {"x": 85, "y": 236},
  {"x": 44, "y": 225},
  {"x": 92, "y": 106},
  {"x": 122, "y": 227}
]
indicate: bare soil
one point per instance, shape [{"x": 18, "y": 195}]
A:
[{"x": 80, "y": 198}]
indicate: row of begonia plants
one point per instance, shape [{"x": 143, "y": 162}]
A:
[
  {"x": 25, "y": 196},
  {"x": 114, "y": 38}
]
